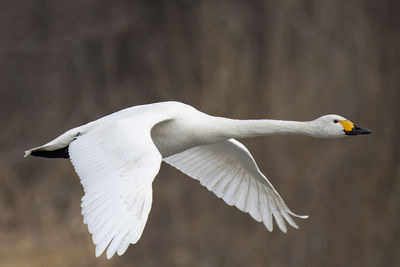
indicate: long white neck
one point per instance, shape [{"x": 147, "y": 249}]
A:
[{"x": 231, "y": 128}]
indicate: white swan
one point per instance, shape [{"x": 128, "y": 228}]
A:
[{"x": 118, "y": 156}]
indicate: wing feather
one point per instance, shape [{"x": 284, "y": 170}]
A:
[
  {"x": 230, "y": 172},
  {"x": 117, "y": 164}
]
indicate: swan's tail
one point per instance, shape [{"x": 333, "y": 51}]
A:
[
  {"x": 58, "y": 153},
  {"x": 58, "y": 148}
]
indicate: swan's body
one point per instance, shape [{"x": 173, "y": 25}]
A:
[{"x": 118, "y": 156}]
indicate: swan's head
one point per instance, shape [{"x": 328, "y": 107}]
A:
[{"x": 336, "y": 126}]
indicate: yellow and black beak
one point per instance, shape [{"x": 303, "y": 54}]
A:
[{"x": 353, "y": 129}]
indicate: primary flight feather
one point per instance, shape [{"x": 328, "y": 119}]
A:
[{"x": 118, "y": 156}]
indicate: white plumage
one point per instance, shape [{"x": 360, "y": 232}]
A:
[
  {"x": 230, "y": 172},
  {"x": 118, "y": 156}
]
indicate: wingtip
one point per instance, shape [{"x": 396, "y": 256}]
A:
[
  {"x": 269, "y": 226},
  {"x": 110, "y": 253},
  {"x": 302, "y": 216},
  {"x": 109, "y": 256},
  {"x": 98, "y": 251},
  {"x": 298, "y": 216},
  {"x": 27, "y": 153}
]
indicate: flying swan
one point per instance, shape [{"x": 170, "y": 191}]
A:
[{"x": 118, "y": 156}]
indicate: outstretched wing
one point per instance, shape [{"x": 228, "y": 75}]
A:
[
  {"x": 117, "y": 164},
  {"x": 230, "y": 172}
]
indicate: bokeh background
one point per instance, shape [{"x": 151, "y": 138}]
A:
[{"x": 65, "y": 63}]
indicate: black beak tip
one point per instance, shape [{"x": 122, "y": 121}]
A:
[
  {"x": 367, "y": 131},
  {"x": 358, "y": 130}
]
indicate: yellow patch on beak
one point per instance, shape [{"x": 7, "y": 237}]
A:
[{"x": 347, "y": 125}]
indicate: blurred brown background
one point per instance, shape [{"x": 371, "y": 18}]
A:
[{"x": 64, "y": 63}]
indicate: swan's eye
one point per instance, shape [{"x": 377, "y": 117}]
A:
[{"x": 335, "y": 121}]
